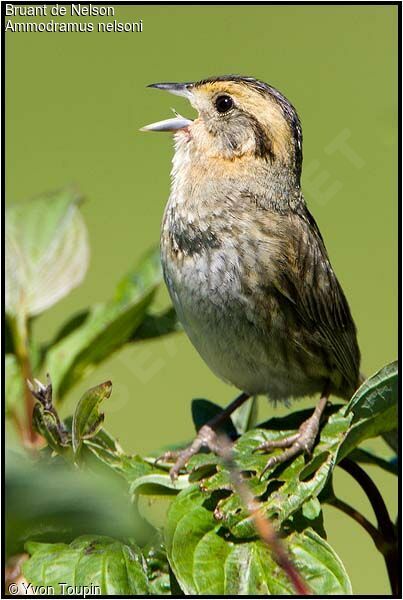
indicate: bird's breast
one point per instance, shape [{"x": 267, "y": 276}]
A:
[
  {"x": 223, "y": 252},
  {"x": 208, "y": 275}
]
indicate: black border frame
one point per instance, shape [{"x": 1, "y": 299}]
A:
[{"x": 399, "y": 225}]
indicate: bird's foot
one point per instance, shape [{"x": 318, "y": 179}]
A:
[
  {"x": 205, "y": 438},
  {"x": 303, "y": 441}
]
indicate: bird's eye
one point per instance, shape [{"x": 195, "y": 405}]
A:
[{"x": 224, "y": 103}]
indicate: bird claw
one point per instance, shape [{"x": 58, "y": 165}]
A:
[
  {"x": 301, "y": 442},
  {"x": 205, "y": 438},
  {"x": 282, "y": 443},
  {"x": 167, "y": 457}
]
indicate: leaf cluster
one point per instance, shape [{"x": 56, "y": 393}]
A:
[{"x": 195, "y": 536}]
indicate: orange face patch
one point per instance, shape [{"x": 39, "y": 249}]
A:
[{"x": 261, "y": 106}]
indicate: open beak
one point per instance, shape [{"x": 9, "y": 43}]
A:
[{"x": 179, "y": 122}]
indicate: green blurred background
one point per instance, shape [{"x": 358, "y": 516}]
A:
[{"x": 74, "y": 105}]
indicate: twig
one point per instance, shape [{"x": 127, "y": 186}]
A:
[
  {"x": 30, "y": 437},
  {"x": 388, "y": 539},
  {"x": 263, "y": 526},
  {"x": 359, "y": 518},
  {"x": 374, "y": 495}
]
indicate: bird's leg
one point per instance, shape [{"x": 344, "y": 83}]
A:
[
  {"x": 206, "y": 438},
  {"x": 303, "y": 441}
]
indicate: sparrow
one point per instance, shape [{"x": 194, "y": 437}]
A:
[{"x": 244, "y": 260}]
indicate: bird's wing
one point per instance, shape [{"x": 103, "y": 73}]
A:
[{"x": 309, "y": 283}]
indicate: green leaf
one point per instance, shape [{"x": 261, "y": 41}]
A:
[
  {"x": 13, "y": 390},
  {"x": 204, "y": 410},
  {"x": 156, "y": 325},
  {"x": 87, "y": 419},
  {"x": 311, "y": 509},
  {"x": 105, "y": 328},
  {"x": 207, "y": 561},
  {"x": 245, "y": 417},
  {"x": 319, "y": 565},
  {"x": 190, "y": 500},
  {"x": 129, "y": 467},
  {"x": 47, "y": 252},
  {"x": 376, "y": 395},
  {"x": 158, "y": 483},
  {"x": 115, "y": 567},
  {"x": 373, "y": 408},
  {"x": 143, "y": 478},
  {"x": 49, "y": 500}
]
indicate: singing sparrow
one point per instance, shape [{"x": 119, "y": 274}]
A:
[{"x": 243, "y": 258}]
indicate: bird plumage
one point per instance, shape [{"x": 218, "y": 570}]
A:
[{"x": 243, "y": 258}]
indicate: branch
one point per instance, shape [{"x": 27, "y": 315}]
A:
[
  {"x": 263, "y": 526},
  {"x": 19, "y": 329},
  {"x": 387, "y": 542},
  {"x": 359, "y": 518},
  {"x": 385, "y": 525}
]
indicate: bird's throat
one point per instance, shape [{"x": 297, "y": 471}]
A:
[{"x": 202, "y": 185}]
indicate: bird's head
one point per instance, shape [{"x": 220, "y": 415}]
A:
[{"x": 237, "y": 117}]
